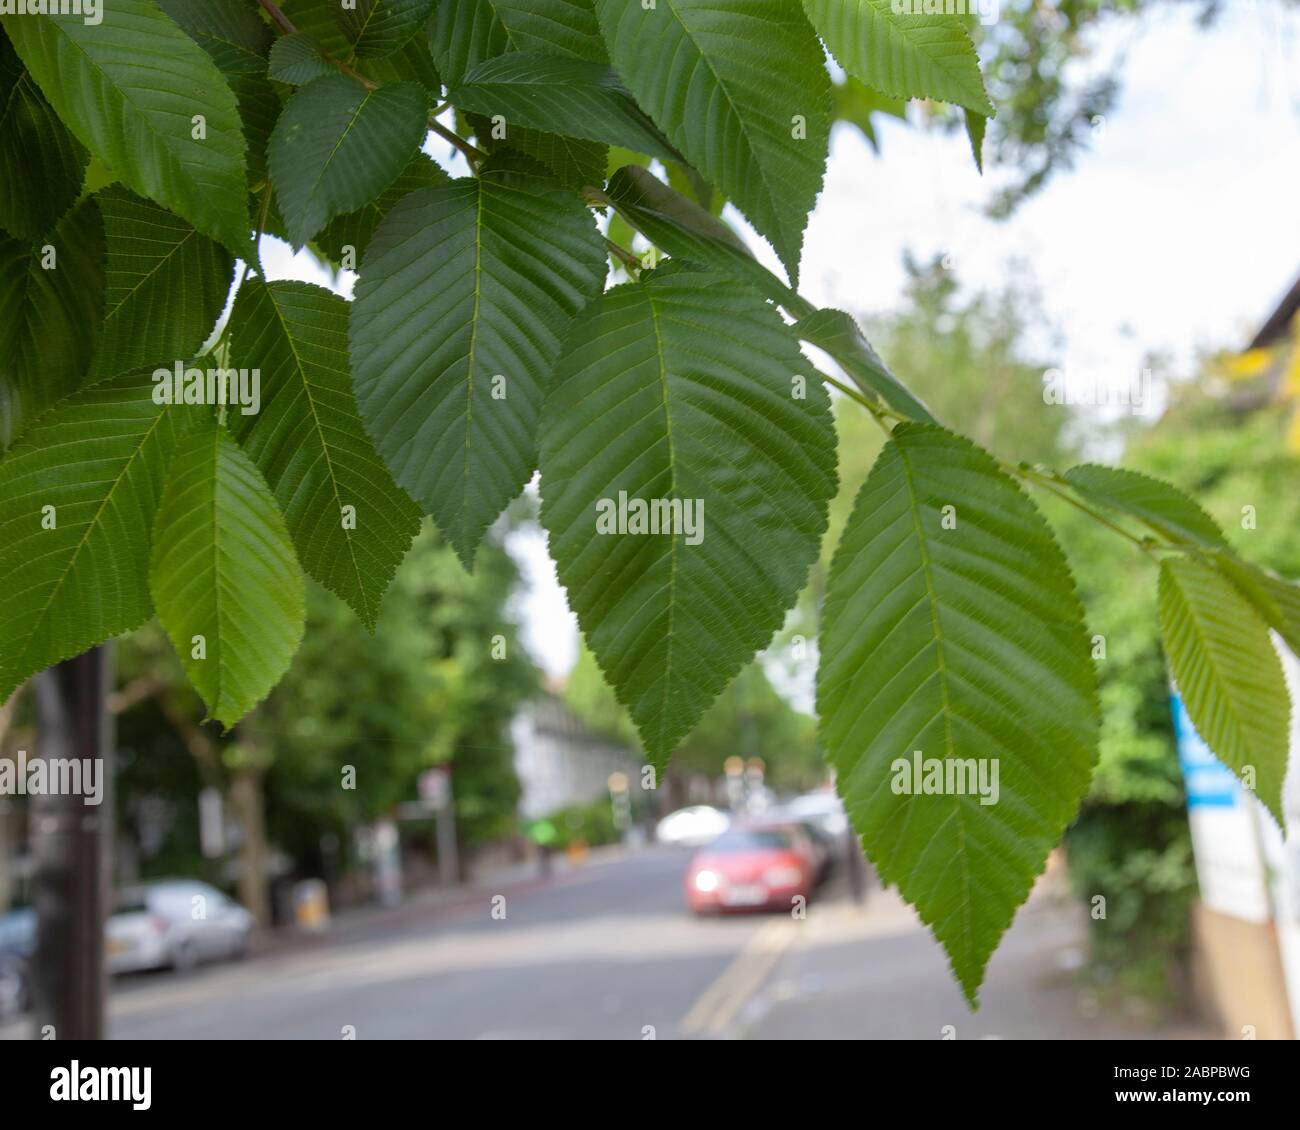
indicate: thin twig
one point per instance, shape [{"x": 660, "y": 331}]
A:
[
  {"x": 280, "y": 20},
  {"x": 628, "y": 258},
  {"x": 1049, "y": 483},
  {"x": 473, "y": 154}
]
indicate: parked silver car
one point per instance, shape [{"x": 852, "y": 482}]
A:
[{"x": 176, "y": 923}]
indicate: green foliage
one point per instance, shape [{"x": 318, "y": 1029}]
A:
[
  {"x": 130, "y": 88},
  {"x": 591, "y": 825},
  {"x": 838, "y": 334},
  {"x": 455, "y": 332},
  {"x": 377, "y": 28},
  {"x": 351, "y": 524},
  {"x": 953, "y": 630},
  {"x": 921, "y": 55},
  {"x": 223, "y": 574},
  {"x": 356, "y": 229},
  {"x": 1228, "y": 674},
  {"x": 337, "y": 146},
  {"x": 1159, "y": 505},
  {"x": 296, "y": 59},
  {"x": 704, "y": 71},
  {"x": 49, "y": 318},
  {"x": 465, "y": 33},
  {"x": 689, "y": 382},
  {"x": 480, "y": 348},
  {"x": 36, "y": 148},
  {"x": 238, "y": 42},
  {"x": 152, "y": 257},
  {"x": 569, "y": 97},
  {"x": 77, "y": 499}
]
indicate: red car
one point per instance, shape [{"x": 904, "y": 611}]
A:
[{"x": 752, "y": 867}]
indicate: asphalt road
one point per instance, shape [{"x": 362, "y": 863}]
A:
[{"x": 608, "y": 951}]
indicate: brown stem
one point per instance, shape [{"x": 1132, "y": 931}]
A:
[
  {"x": 280, "y": 20},
  {"x": 623, "y": 255}
]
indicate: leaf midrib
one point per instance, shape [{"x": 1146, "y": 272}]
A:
[
  {"x": 149, "y": 275},
  {"x": 300, "y": 368},
  {"x": 471, "y": 355},
  {"x": 945, "y": 701},
  {"x": 661, "y": 356}
]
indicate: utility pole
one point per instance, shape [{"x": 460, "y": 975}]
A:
[{"x": 72, "y": 849}]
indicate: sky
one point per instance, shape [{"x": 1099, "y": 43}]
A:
[{"x": 1176, "y": 232}]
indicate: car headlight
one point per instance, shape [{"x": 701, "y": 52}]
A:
[
  {"x": 782, "y": 876},
  {"x": 707, "y": 881}
]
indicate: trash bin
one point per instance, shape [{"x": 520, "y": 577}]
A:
[{"x": 311, "y": 905}]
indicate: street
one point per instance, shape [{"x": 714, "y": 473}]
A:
[{"x": 607, "y": 951}]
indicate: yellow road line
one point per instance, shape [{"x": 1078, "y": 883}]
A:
[{"x": 719, "y": 1004}]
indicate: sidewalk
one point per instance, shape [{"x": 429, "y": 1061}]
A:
[{"x": 874, "y": 972}]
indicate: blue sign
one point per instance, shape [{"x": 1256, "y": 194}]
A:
[{"x": 1208, "y": 780}]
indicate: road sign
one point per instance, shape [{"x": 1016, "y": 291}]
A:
[{"x": 434, "y": 786}]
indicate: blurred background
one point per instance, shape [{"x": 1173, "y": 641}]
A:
[{"x": 447, "y": 829}]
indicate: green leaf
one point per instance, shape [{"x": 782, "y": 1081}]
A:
[
  {"x": 319, "y": 20},
  {"x": 129, "y": 88},
  {"x": 904, "y": 56},
  {"x": 350, "y": 523},
  {"x": 377, "y": 28},
  {"x": 1158, "y": 504},
  {"x": 454, "y": 335},
  {"x": 296, "y": 59},
  {"x": 230, "y": 31},
  {"x": 356, "y": 229},
  {"x": 223, "y": 574},
  {"x": 727, "y": 81},
  {"x": 51, "y": 305},
  {"x": 1276, "y": 600},
  {"x": 239, "y": 41},
  {"x": 166, "y": 284},
  {"x": 465, "y": 33},
  {"x": 687, "y": 231},
  {"x": 976, "y": 124},
  {"x": 839, "y": 335},
  {"x": 338, "y": 145},
  {"x": 570, "y": 97},
  {"x": 412, "y": 62},
  {"x": 1228, "y": 673},
  {"x": 858, "y": 105},
  {"x": 76, "y": 574},
  {"x": 683, "y": 385},
  {"x": 36, "y": 149},
  {"x": 956, "y": 632},
  {"x": 573, "y": 162}
]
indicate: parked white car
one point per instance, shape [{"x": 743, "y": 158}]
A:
[
  {"x": 692, "y": 827},
  {"x": 822, "y": 808},
  {"x": 175, "y": 923}
]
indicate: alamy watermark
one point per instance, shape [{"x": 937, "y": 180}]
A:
[
  {"x": 179, "y": 385},
  {"x": 1077, "y": 388},
  {"x": 624, "y": 515},
  {"x": 90, "y": 11},
  {"x": 53, "y": 776},
  {"x": 946, "y": 776},
  {"x": 986, "y": 10}
]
